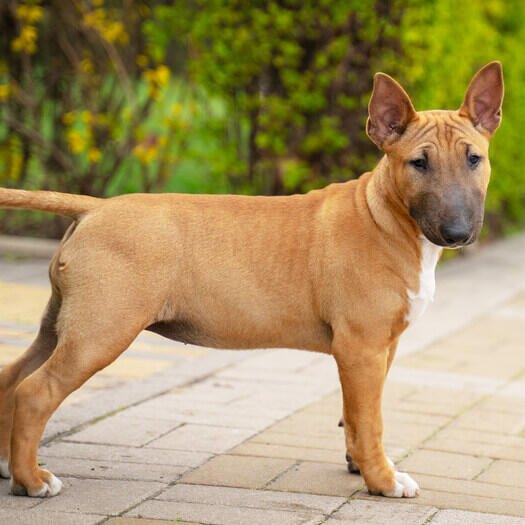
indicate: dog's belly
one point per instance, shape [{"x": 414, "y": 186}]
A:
[
  {"x": 178, "y": 330},
  {"x": 316, "y": 336}
]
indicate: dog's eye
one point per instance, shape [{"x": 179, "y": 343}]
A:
[
  {"x": 473, "y": 160},
  {"x": 420, "y": 164}
]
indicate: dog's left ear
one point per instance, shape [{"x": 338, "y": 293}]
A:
[{"x": 483, "y": 99}]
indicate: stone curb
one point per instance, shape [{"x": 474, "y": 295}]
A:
[{"x": 27, "y": 246}]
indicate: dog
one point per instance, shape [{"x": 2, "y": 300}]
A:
[{"x": 342, "y": 270}]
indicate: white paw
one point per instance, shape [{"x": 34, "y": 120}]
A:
[
  {"x": 405, "y": 487},
  {"x": 4, "y": 469},
  {"x": 51, "y": 488}
]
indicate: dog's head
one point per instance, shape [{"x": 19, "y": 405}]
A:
[{"x": 439, "y": 159}]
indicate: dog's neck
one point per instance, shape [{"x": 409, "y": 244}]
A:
[{"x": 387, "y": 206}]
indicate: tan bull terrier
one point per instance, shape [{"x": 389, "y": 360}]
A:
[{"x": 342, "y": 270}]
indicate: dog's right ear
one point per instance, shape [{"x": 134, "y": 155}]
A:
[{"x": 389, "y": 111}]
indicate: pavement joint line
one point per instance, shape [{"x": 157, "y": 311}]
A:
[
  {"x": 180, "y": 425},
  {"x": 431, "y": 518},
  {"x": 484, "y": 470},
  {"x": 280, "y": 474}
]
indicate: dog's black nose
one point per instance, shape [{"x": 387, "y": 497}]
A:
[{"x": 455, "y": 233}]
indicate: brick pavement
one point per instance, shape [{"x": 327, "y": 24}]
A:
[{"x": 179, "y": 433}]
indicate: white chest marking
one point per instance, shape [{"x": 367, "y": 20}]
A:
[{"x": 419, "y": 299}]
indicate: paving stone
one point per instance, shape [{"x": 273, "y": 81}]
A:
[
  {"x": 223, "y": 417},
  {"x": 318, "y": 478},
  {"x": 204, "y": 438},
  {"x": 406, "y": 434},
  {"x": 8, "y": 501},
  {"x": 144, "y": 455},
  {"x": 503, "y": 404},
  {"x": 476, "y": 449},
  {"x": 305, "y": 424},
  {"x": 444, "y": 379},
  {"x": 261, "y": 499},
  {"x": 123, "y": 430},
  {"x": 461, "y": 517},
  {"x": 216, "y": 391},
  {"x": 133, "y": 367},
  {"x": 252, "y": 448},
  {"x": 435, "y": 408},
  {"x": 361, "y": 512},
  {"x": 223, "y": 515},
  {"x": 23, "y": 304},
  {"x": 9, "y": 353},
  {"x": 269, "y": 437},
  {"x": 505, "y": 472},
  {"x": 141, "y": 521},
  {"x": 450, "y": 396},
  {"x": 100, "y": 496},
  {"x": 445, "y": 464},
  {"x": 238, "y": 471},
  {"x": 450, "y": 500},
  {"x": 288, "y": 360},
  {"x": 39, "y": 516},
  {"x": 88, "y": 468},
  {"x": 473, "y": 488},
  {"x": 481, "y": 437},
  {"x": 415, "y": 418},
  {"x": 491, "y": 421}
]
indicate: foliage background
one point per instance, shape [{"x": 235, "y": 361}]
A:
[{"x": 247, "y": 96}]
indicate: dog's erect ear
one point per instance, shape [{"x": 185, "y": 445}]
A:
[
  {"x": 483, "y": 99},
  {"x": 389, "y": 111}
]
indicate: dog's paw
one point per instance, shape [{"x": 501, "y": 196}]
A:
[
  {"x": 4, "y": 469},
  {"x": 405, "y": 487},
  {"x": 51, "y": 486}
]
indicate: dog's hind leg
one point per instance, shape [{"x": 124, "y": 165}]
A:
[
  {"x": 12, "y": 374},
  {"x": 87, "y": 342}
]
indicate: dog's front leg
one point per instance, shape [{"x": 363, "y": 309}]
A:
[{"x": 362, "y": 371}]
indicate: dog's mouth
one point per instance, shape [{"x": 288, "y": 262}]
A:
[
  {"x": 438, "y": 237},
  {"x": 439, "y": 240}
]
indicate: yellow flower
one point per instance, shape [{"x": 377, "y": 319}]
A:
[
  {"x": 87, "y": 65},
  {"x": 4, "y": 92},
  {"x": 86, "y": 116},
  {"x": 34, "y": 14},
  {"x": 145, "y": 153},
  {"x": 162, "y": 75},
  {"x": 77, "y": 144},
  {"x": 15, "y": 165},
  {"x": 176, "y": 109},
  {"x": 163, "y": 140},
  {"x": 94, "y": 155},
  {"x": 26, "y": 41},
  {"x": 157, "y": 78},
  {"x": 30, "y": 14},
  {"x": 68, "y": 118},
  {"x": 115, "y": 31},
  {"x": 142, "y": 61}
]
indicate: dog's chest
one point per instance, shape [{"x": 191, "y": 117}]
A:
[{"x": 419, "y": 299}]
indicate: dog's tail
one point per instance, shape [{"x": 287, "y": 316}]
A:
[{"x": 59, "y": 203}]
